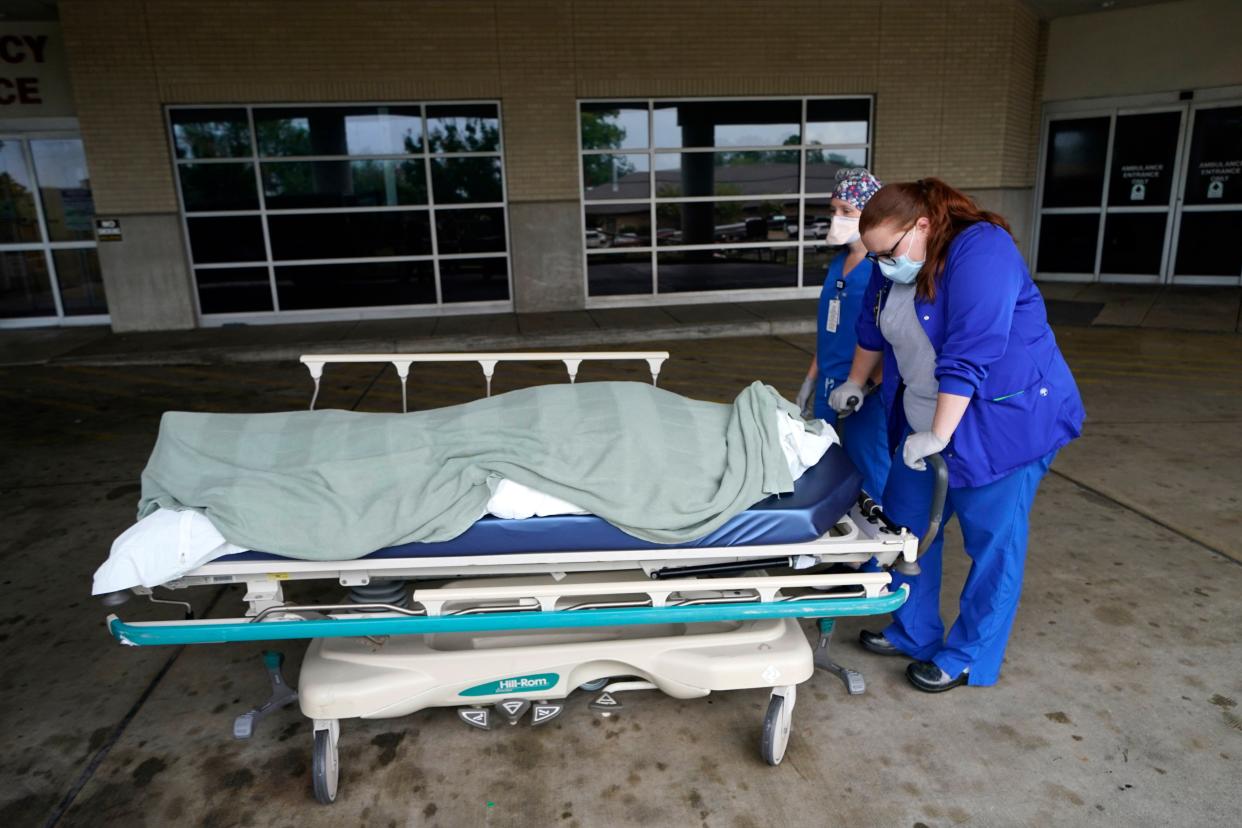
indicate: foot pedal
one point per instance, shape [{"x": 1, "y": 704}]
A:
[
  {"x": 282, "y": 696},
  {"x": 854, "y": 682},
  {"x": 479, "y": 717},
  {"x": 544, "y": 712},
  {"x": 513, "y": 709},
  {"x": 605, "y": 703}
]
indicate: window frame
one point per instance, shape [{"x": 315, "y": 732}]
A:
[
  {"x": 655, "y": 297},
  {"x": 276, "y": 314}
]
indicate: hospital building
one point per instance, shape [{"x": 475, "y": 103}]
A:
[{"x": 176, "y": 164}]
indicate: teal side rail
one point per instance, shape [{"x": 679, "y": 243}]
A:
[{"x": 153, "y": 633}]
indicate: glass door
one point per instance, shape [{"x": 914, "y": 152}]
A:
[
  {"x": 49, "y": 268},
  {"x": 1140, "y": 195},
  {"x": 1108, "y": 192},
  {"x": 1072, "y": 198},
  {"x": 1209, "y": 216}
]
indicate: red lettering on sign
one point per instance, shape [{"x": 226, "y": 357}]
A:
[
  {"x": 28, "y": 91},
  {"x": 37, "y": 44},
  {"x": 8, "y": 53},
  {"x": 19, "y": 91}
]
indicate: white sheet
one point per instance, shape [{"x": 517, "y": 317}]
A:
[{"x": 167, "y": 544}]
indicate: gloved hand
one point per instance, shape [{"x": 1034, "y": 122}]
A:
[
  {"x": 839, "y": 399},
  {"x": 805, "y": 397},
  {"x": 918, "y": 446}
]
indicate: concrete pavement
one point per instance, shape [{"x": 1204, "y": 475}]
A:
[{"x": 1119, "y": 702}]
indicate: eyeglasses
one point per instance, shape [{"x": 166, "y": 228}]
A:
[{"x": 888, "y": 258}]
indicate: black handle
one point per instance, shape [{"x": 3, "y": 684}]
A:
[
  {"x": 851, "y": 405},
  {"x": 940, "y": 491}
]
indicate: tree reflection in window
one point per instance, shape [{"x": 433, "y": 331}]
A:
[
  {"x": 19, "y": 222},
  {"x": 601, "y": 130},
  {"x": 210, "y": 133},
  {"x": 465, "y": 128}
]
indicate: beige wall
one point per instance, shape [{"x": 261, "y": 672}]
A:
[
  {"x": 955, "y": 85},
  {"x": 954, "y": 79},
  {"x": 1166, "y": 47}
]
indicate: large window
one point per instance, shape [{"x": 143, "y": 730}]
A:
[
  {"x": 683, "y": 197},
  {"x": 324, "y": 208}
]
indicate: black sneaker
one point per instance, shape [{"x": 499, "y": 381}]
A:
[
  {"x": 876, "y": 642},
  {"x": 928, "y": 677}
]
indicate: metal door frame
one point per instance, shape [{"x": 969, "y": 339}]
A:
[{"x": 46, "y": 245}]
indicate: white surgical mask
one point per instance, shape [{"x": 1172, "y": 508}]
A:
[{"x": 843, "y": 230}]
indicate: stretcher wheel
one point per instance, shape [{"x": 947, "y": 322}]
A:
[
  {"x": 325, "y": 767},
  {"x": 592, "y": 686},
  {"x": 776, "y": 726}
]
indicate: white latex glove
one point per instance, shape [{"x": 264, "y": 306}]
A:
[
  {"x": 918, "y": 446},
  {"x": 839, "y": 399},
  {"x": 804, "y": 400}
]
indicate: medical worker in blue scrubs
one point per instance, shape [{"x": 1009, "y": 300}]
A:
[
  {"x": 863, "y": 434},
  {"x": 972, "y": 371}
]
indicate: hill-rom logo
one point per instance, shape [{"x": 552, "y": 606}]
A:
[{"x": 516, "y": 684}]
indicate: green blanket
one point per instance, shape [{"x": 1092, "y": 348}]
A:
[{"x": 332, "y": 485}]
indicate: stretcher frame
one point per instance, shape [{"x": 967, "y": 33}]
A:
[{"x": 565, "y": 594}]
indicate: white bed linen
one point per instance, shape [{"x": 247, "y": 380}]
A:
[{"x": 167, "y": 543}]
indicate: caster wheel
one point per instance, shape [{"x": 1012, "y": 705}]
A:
[
  {"x": 325, "y": 767},
  {"x": 776, "y": 726},
  {"x": 592, "y": 686}
]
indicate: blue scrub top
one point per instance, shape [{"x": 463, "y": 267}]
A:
[
  {"x": 993, "y": 344},
  {"x": 834, "y": 352}
]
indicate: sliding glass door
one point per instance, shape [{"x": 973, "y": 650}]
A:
[{"x": 1142, "y": 195}]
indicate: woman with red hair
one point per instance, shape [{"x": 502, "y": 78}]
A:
[{"x": 971, "y": 371}]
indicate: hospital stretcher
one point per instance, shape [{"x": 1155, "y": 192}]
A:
[{"x": 514, "y": 615}]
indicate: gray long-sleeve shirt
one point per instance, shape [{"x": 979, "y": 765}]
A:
[{"x": 916, "y": 358}]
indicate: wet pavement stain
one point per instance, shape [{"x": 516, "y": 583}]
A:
[
  {"x": 1058, "y": 717},
  {"x": 1223, "y": 701},
  {"x": 388, "y": 743},
  {"x": 1062, "y": 792},
  {"x": 1114, "y": 615},
  {"x": 148, "y": 770},
  {"x": 292, "y": 763},
  {"x": 238, "y": 779},
  {"x": 98, "y": 737},
  {"x": 28, "y": 810},
  {"x": 122, "y": 491}
]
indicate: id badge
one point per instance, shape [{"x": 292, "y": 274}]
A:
[{"x": 834, "y": 315}]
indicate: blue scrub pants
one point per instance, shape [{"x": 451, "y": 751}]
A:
[
  {"x": 994, "y": 522},
  {"x": 865, "y": 437}
]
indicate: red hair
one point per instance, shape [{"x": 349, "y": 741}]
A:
[{"x": 950, "y": 211}]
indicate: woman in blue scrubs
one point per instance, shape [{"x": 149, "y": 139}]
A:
[
  {"x": 840, "y": 301},
  {"x": 972, "y": 371}
]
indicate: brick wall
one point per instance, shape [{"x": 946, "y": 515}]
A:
[{"x": 954, "y": 80}]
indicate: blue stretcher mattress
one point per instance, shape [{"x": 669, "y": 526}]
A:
[{"x": 820, "y": 498}]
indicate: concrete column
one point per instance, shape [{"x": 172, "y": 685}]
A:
[
  {"x": 545, "y": 252},
  {"x": 1015, "y": 204},
  {"x": 146, "y": 276}
]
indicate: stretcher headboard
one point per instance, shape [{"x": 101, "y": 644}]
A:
[{"x": 487, "y": 361}]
